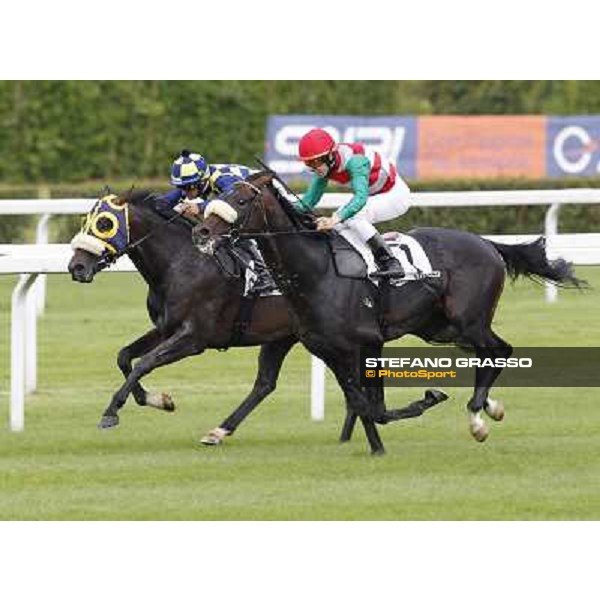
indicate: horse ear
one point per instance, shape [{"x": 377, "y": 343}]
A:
[{"x": 264, "y": 179}]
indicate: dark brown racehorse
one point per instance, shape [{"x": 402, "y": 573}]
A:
[{"x": 336, "y": 316}]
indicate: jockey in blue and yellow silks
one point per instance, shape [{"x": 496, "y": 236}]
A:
[{"x": 197, "y": 182}]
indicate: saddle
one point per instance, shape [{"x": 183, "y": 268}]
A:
[
  {"x": 347, "y": 260},
  {"x": 353, "y": 259}
]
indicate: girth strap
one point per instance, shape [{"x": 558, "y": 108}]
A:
[{"x": 243, "y": 320}]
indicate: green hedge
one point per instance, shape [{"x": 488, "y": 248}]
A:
[
  {"x": 79, "y": 130},
  {"x": 128, "y": 131}
]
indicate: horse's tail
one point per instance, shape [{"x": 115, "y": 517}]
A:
[{"x": 531, "y": 260}]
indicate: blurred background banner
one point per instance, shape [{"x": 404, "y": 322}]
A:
[
  {"x": 480, "y": 146},
  {"x": 446, "y": 147},
  {"x": 573, "y": 146},
  {"x": 393, "y": 137}
]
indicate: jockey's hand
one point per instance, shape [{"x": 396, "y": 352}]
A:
[
  {"x": 190, "y": 209},
  {"x": 327, "y": 223}
]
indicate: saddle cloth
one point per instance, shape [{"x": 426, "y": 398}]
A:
[{"x": 407, "y": 250}]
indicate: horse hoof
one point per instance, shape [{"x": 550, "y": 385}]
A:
[
  {"x": 494, "y": 409},
  {"x": 161, "y": 401},
  {"x": 478, "y": 427},
  {"x": 108, "y": 421},
  {"x": 436, "y": 396},
  {"x": 168, "y": 403},
  {"x": 378, "y": 452},
  {"x": 214, "y": 437}
]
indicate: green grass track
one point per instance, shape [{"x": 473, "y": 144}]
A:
[{"x": 542, "y": 462}]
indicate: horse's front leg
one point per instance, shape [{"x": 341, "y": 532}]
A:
[
  {"x": 138, "y": 348},
  {"x": 374, "y": 393},
  {"x": 357, "y": 402},
  {"x": 348, "y": 427},
  {"x": 270, "y": 359},
  {"x": 180, "y": 344}
]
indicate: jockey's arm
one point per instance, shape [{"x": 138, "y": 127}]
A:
[
  {"x": 358, "y": 168},
  {"x": 312, "y": 195}
]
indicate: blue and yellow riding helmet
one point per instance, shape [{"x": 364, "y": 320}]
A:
[{"x": 188, "y": 169}]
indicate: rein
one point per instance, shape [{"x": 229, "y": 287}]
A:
[
  {"x": 267, "y": 234},
  {"x": 238, "y": 233},
  {"x": 285, "y": 280}
]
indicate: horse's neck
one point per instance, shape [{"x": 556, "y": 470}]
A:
[
  {"x": 298, "y": 262},
  {"x": 156, "y": 253}
]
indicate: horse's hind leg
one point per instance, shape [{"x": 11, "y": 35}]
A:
[
  {"x": 132, "y": 351},
  {"x": 469, "y": 304},
  {"x": 180, "y": 344},
  {"x": 270, "y": 360},
  {"x": 376, "y": 393},
  {"x": 493, "y": 347}
]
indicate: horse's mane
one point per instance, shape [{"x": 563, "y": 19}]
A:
[
  {"x": 144, "y": 200},
  {"x": 301, "y": 221},
  {"x": 138, "y": 197}
]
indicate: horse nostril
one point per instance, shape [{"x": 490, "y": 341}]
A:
[
  {"x": 79, "y": 273},
  {"x": 203, "y": 232}
]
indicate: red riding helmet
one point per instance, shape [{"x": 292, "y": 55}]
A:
[{"x": 315, "y": 143}]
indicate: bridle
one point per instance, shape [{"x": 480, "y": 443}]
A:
[
  {"x": 109, "y": 258},
  {"x": 237, "y": 231}
]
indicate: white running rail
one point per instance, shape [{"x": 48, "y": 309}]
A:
[{"x": 34, "y": 262}]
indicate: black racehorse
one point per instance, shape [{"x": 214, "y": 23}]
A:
[
  {"x": 195, "y": 302},
  {"x": 335, "y": 316}
]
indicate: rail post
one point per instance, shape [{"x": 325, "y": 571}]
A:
[
  {"x": 317, "y": 389},
  {"x": 41, "y": 237},
  {"x": 17, "y": 352},
  {"x": 550, "y": 230}
]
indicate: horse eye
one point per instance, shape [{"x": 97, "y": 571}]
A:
[
  {"x": 103, "y": 224},
  {"x": 242, "y": 201}
]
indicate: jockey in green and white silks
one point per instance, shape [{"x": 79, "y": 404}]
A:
[{"x": 380, "y": 194}]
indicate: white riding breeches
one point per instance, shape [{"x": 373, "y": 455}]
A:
[{"x": 379, "y": 208}]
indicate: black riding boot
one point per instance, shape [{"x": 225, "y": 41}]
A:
[
  {"x": 264, "y": 282},
  {"x": 387, "y": 263}
]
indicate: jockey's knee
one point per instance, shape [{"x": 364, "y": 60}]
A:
[{"x": 361, "y": 227}]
